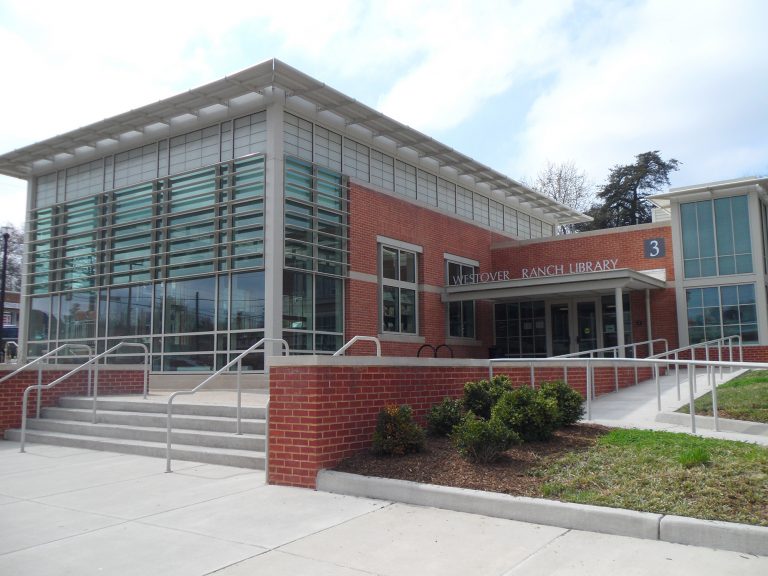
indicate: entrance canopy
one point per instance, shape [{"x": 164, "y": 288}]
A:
[{"x": 605, "y": 282}]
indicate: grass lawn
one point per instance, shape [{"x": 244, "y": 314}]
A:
[
  {"x": 743, "y": 398},
  {"x": 665, "y": 473}
]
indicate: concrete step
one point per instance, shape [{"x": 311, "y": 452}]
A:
[
  {"x": 220, "y": 456},
  {"x": 156, "y": 419},
  {"x": 179, "y": 407},
  {"x": 207, "y": 439}
]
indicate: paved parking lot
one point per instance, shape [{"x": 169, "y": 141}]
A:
[{"x": 74, "y": 511}]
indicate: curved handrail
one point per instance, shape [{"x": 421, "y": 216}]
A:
[
  {"x": 444, "y": 346},
  {"x": 418, "y": 354},
  {"x": 237, "y": 360},
  {"x": 39, "y": 359},
  {"x": 93, "y": 360},
  {"x": 5, "y": 349},
  {"x": 354, "y": 339}
]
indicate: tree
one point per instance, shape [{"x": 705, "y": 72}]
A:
[
  {"x": 625, "y": 194},
  {"x": 15, "y": 250},
  {"x": 565, "y": 184}
]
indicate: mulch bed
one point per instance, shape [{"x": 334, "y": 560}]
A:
[{"x": 440, "y": 463}]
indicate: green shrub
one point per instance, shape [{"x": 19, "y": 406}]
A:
[
  {"x": 444, "y": 416},
  {"x": 482, "y": 440},
  {"x": 531, "y": 415},
  {"x": 480, "y": 396},
  {"x": 570, "y": 403},
  {"x": 396, "y": 433}
]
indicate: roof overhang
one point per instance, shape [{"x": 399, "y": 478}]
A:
[
  {"x": 251, "y": 88},
  {"x": 584, "y": 284},
  {"x": 753, "y": 182}
]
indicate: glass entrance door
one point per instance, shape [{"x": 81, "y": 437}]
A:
[
  {"x": 586, "y": 314},
  {"x": 574, "y": 326}
]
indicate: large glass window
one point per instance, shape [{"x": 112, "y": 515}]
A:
[
  {"x": 521, "y": 329},
  {"x": 719, "y": 311},
  {"x": 399, "y": 290},
  {"x": 716, "y": 239}
]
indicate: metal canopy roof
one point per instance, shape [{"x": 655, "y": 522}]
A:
[
  {"x": 231, "y": 91},
  {"x": 550, "y": 286}
]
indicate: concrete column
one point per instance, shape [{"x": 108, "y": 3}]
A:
[
  {"x": 649, "y": 328},
  {"x": 618, "y": 295},
  {"x": 273, "y": 226}
]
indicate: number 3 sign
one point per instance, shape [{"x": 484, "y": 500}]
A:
[{"x": 655, "y": 248}]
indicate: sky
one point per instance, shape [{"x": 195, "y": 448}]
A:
[{"x": 514, "y": 84}]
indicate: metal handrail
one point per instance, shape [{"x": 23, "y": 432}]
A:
[
  {"x": 5, "y": 349},
  {"x": 616, "y": 348},
  {"x": 237, "y": 360},
  {"x": 94, "y": 360},
  {"x": 706, "y": 346},
  {"x": 591, "y": 363},
  {"x": 354, "y": 339},
  {"x": 39, "y": 360}
]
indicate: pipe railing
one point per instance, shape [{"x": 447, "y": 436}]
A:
[
  {"x": 354, "y": 339},
  {"x": 239, "y": 361},
  {"x": 91, "y": 361},
  {"x": 39, "y": 361},
  {"x": 591, "y": 354},
  {"x": 615, "y": 354},
  {"x": 706, "y": 345},
  {"x": 656, "y": 363}
]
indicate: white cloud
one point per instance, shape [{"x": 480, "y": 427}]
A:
[{"x": 686, "y": 78}]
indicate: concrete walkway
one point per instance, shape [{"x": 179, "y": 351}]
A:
[{"x": 72, "y": 511}]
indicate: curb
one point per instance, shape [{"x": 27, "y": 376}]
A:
[
  {"x": 708, "y": 423},
  {"x": 616, "y": 521}
]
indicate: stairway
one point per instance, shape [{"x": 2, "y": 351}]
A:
[{"x": 201, "y": 432}]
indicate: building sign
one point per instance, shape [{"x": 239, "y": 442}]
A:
[
  {"x": 480, "y": 277},
  {"x": 654, "y": 248},
  {"x": 570, "y": 268}
]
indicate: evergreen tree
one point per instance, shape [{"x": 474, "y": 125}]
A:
[{"x": 625, "y": 194}]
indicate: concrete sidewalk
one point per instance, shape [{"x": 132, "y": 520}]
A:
[{"x": 72, "y": 511}]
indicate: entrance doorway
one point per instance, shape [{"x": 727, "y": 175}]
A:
[{"x": 574, "y": 326}]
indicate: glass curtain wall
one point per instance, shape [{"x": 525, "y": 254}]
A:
[
  {"x": 316, "y": 257},
  {"x": 175, "y": 263}
]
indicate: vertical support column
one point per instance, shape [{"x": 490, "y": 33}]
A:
[
  {"x": 619, "y": 297},
  {"x": 25, "y": 300},
  {"x": 273, "y": 229},
  {"x": 649, "y": 335}
]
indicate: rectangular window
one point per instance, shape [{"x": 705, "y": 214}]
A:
[
  {"x": 480, "y": 204},
  {"x": 356, "y": 160},
  {"x": 521, "y": 329},
  {"x": 716, "y": 238},
  {"x": 720, "y": 311},
  {"x": 399, "y": 290},
  {"x": 446, "y": 195},
  {"x": 461, "y": 315},
  {"x": 405, "y": 179},
  {"x": 463, "y": 202},
  {"x": 426, "y": 189},
  {"x": 382, "y": 170}
]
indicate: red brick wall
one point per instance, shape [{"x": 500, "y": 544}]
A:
[
  {"x": 12, "y": 391},
  {"x": 319, "y": 415},
  {"x": 375, "y": 214}
]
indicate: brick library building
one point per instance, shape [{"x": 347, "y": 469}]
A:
[{"x": 267, "y": 204}]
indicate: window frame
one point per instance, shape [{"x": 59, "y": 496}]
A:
[
  {"x": 466, "y": 268},
  {"x": 400, "y": 249}
]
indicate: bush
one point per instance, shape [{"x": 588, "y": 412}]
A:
[
  {"x": 531, "y": 415},
  {"x": 479, "y": 397},
  {"x": 396, "y": 433},
  {"x": 570, "y": 403},
  {"x": 444, "y": 416},
  {"x": 482, "y": 440}
]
